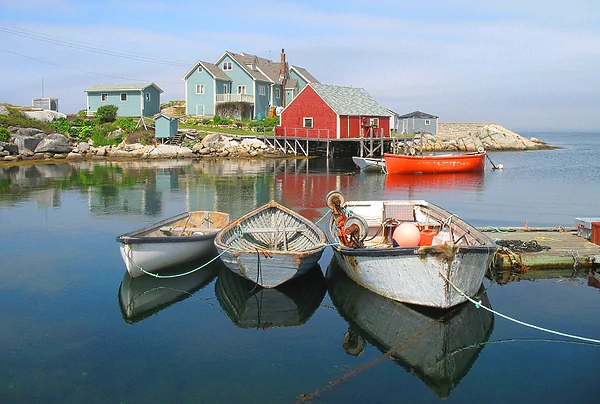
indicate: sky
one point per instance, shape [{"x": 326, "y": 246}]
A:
[{"x": 526, "y": 65}]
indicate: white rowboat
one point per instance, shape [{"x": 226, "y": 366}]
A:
[{"x": 171, "y": 242}]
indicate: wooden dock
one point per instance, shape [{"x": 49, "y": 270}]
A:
[{"x": 561, "y": 249}]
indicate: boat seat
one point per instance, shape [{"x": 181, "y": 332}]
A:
[
  {"x": 180, "y": 229},
  {"x": 299, "y": 229}
]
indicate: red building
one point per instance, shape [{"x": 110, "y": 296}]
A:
[{"x": 335, "y": 112}]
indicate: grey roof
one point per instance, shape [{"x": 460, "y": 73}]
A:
[
  {"x": 351, "y": 101},
  {"x": 418, "y": 114},
  {"x": 121, "y": 87},
  {"x": 305, "y": 74},
  {"x": 261, "y": 64},
  {"x": 211, "y": 68},
  {"x": 290, "y": 84}
]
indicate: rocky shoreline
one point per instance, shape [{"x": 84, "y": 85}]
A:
[{"x": 29, "y": 144}]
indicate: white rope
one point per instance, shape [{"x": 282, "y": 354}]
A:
[{"x": 478, "y": 304}]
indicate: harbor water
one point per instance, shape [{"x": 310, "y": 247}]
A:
[{"x": 76, "y": 328}]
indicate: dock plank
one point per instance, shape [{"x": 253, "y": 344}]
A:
[{"x": 567, "y": 250}]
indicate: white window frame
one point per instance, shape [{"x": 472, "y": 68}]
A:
[
  {"x": 308, "y": 122},
  {"x": 123, "y": 97},
  {"x": 427, "y": 122},
  {"x": 225, "y": 88},
  {"x": 147, "y": 97},
  {"x": 199, "y": 88},
  {"x": 227, "y": 66},
  {"x": 104, "y": 97},
  {"x": 277, "y": 93},
  {"x": 241, "y": 89},
  {"x": 200, "y": 69},
  {"x": 262, "y": 90}
]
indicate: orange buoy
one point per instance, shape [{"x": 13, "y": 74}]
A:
[{"x": 407, "y": 235}]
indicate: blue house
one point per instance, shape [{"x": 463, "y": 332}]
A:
[
  {"x": 133, "y": 100},
  {"x": 165, "y": 127},
  {"x": 239, "y": 77}
]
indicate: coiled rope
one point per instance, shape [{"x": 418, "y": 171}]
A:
[{"x": 478, "y": 304}]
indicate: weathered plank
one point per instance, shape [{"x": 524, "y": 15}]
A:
[{"x": 567, "y": 250}]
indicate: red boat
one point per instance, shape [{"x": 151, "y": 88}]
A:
[{"x": 441, "y": 163}]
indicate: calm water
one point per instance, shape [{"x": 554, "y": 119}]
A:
[{"x": 76, "y": 329}]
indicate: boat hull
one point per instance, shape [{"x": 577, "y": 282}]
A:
[
  {"x": 156, "y": 248},
  {"x": 270, "y": 256},
  {"x": 448, "y": 163},
  {"x": 369, "y": 164},
  {"x": 417, "y": 276}
]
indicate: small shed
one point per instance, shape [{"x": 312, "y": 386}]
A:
[
  {"x": 165, "y": 127},
  {"x": 45, "y": 103},
  {"x": 417, "y": 121}
]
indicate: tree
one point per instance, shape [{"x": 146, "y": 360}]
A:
[{"x": 107, "y": 113}]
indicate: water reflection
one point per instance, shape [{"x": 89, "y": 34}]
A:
[
  {"x": 144, "y": 296},
  {"x": 419, "y": 182},
  {"x": 438, "y": 347},
  {"x": 290, "y": 304}
]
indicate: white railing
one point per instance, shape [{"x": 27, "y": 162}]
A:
[{"x": 235, "y": 98}]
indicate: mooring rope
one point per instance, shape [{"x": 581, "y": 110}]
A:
[
  {"x": 479, "y": 304},
  {"x": 182, "y": 274}
]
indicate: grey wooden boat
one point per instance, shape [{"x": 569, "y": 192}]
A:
[{"x": 270, "y": 245}]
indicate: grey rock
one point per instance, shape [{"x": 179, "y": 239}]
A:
[
  {"x": 9, "y": 147},
  {"x": 26, "y": 143},
  {"x": 43, "y": 115},
  {"x": 4, "y": 110},
  {"x": 32, "y": 132},
  {"x": 54, "y": 143}
]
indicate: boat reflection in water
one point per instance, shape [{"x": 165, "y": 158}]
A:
[
  {"x": 464, "y": 181},
  {"x": 437, "y": 346},
  {"x": 143, "y": 296},
  {"x": 290, "y": 304}
]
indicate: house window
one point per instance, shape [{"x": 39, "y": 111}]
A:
[
  {"x": 261, "y": 90},
  {"x": 199, "y": 88},
  {"x": 200, "y": 69},
  {"x": 427, "y": 122},
  {"x": 104, "y": 97},
  {"x": 147, "y": 96},
  {"x": 227, "y": 66},
  {"x": 277, "y": 93},
  {"x": 225, "y": 89},
  {"x": 241, "y": 89},
  {"x": 123, "y": 96},
  {"x": 308, "y": 122}
]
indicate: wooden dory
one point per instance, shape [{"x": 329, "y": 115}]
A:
[
  {"x": 361, "y": 237},
  {"x": 270, "y": 245},
  {"x": 369, "y": 163},
  {"x": 440, "y": 163},
  {"x": 173, "y": 241}
]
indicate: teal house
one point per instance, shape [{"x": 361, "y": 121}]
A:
[
  {"x": 265, "y": 86},
  {"x": 165, "y": 127},
  {"x": 132, "y": 100}
]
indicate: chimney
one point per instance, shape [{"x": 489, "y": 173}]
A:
[{"x": 283, "y": 76}]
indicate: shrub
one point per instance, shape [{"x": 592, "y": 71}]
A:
[
  {"x": 60, "y": 125},
  {"x": 82, "y": 113},
  {"x": 126, "y": 124},
  {"x": 107, "y": 113},
  {"x": 4, "y": 135}
]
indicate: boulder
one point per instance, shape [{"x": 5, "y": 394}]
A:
[
  {"x": 4, "y": 111},
  {"x": 26, "y": 143},
  {"x": 54, "y": 143},
  {"x": 11, "y": 148},
  {"x": 31, "y": 132},
  {"x": 44, "y": 115}
]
